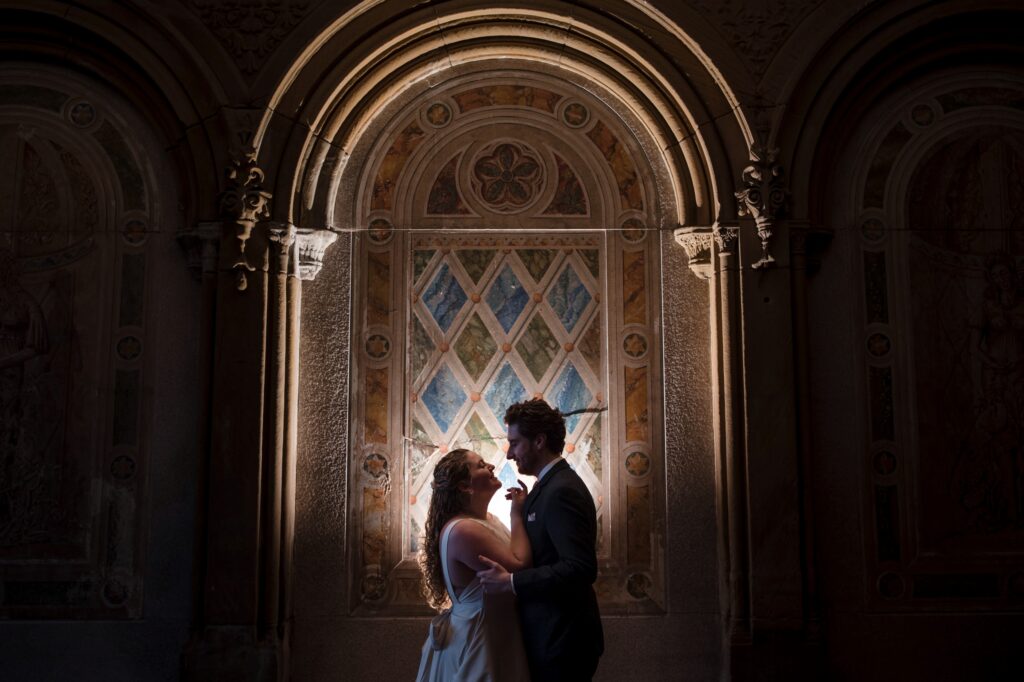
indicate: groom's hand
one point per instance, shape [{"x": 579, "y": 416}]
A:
[{"x": 495, "y": 579}]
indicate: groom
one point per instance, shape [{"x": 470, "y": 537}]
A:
[{"x": 557, "y": 605}]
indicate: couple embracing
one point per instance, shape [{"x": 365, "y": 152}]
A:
[{"x": 522, "y": 603}]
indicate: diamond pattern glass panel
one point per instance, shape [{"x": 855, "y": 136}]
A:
[
  {"x": 569, "y": 297},
  {"x": 478, "y": 438},
  {"x": 570, "y": 393},
  {"x": 507, "y": 476},
  {"x": 420, "y": 260},
  {"x": 507, "y": 298},
  {"x": 419, "y": 449},
  {"x": 504, "y": 390},
  {"x": 537, "y": 346},
  {"x": 537, "y": 261},
  {"x": 444, "y": 297},
  {"x": 475, "y": 261},
  {"x": 444, "y": 397},
  {"x": 475, "y": 347}
]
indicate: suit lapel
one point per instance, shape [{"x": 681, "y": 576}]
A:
[{"x": 538, "y": 489}]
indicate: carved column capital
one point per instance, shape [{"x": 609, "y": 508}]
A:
[
  {"x": 762, "y": 196},
  {"x": 726, "y": 237},
  {"x": 282, "y": 237},
  {"x": 312, "y": 244},
  {"x": 697, "y": 241},
  {"x": 242, "y": 203},
  {"x": 201, "y": 245}
]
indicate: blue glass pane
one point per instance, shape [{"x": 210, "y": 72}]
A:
[
  {"x": 507, "y": 476},
  {"x": 507, "y": 298},
  {"x": 505, "y": 390},
  {"x": 444, "y": 397},
  {"x": 570, "y": 393},
  {"x": 569, "y": 298},
  {"x": 444, "y": 297}
]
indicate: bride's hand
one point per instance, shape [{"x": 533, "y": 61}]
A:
[{"x": 517, "y": 496}]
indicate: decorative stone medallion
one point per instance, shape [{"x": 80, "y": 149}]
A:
[
  {"x": 375, "y": 465},
  {"x": 122, "y": 468},
  {"x": 872, "y": 229},
  {"x": 884, "y": 463},
  {"x": 879, "y": 345},
  {"x": 635, "y": 345},
  {"x": 438, "y": 114},
  {"x": 129, "y": 348},
  {"x": 380, "y": 231},
  {"x": 638, "y": 464},
  {"x": 82, "y": 114},
  {"x": 575, "y": 115},
  {"x": 134, "y": 232},
  {"x": 922, "y": 115},
  {"x": 508, "y": 177},
  {"x": 633, "y": 231},
  {"x": 378, "y": 346}
]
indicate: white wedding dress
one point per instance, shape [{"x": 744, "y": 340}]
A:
[{"x": 478, "y": 638}]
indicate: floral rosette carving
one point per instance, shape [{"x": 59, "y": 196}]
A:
[{"x": 509, "y": 178}]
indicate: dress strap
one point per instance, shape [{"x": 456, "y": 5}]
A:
[{"x": 444, "y": 558}]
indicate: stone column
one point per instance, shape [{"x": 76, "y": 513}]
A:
[
  {"x": 732, "y": 432},
  {"x": 244, "y": 602}
]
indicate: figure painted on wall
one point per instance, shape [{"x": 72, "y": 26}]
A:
[
  {"x": 989, "y": 475},
  {"x": 23, "y": 472}
]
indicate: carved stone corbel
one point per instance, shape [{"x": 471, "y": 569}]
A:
[
  {"x": 201, "y": 245},
  {"x": 763, "y": 196},
  {"x": 242, "y": 203},
  {"x": 697, "y": 242},
  {"x": 312, "y": 244}
]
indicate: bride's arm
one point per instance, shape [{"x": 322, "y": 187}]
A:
[
  {"x": 520, "y": 542},
  {"x": 469, "y": 541}
]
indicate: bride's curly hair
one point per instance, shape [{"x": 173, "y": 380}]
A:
[{"x": 445, "y": 502}]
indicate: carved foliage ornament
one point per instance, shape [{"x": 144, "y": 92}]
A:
[
  {"x": 697, "y": 242},
  {"x": 763, "y": 196},
  {"x": 243, "y": 202},
  {"x": 251, "y": 29}
]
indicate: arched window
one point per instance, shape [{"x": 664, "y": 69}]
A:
[{"x": 508, "y": 253}]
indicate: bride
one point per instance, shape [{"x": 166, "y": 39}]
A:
[{"x": 477, "y": 639}]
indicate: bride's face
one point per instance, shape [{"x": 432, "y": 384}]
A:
[{"x": 481, "y": 475}]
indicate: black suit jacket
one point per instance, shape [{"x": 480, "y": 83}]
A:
[{"x": 557, "y": 606}]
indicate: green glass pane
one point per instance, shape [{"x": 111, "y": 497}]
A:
[
  {"x": 590, "y": 258},
  {"x": 475, "y": 347},
  {"x": 420, "y": 260},
  {"x": 593, "y": 442},
  {"x": 475, "y": 261},
  {"x": 479, "y": 439},
  {"x": 537, "y": 261},
  {"x": 422, "y": 347},
  {"x": 419, "y": 449},
  {"x": 538, "y": 347}
]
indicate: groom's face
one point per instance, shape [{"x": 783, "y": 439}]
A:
[{"x": 525, "y": 452}]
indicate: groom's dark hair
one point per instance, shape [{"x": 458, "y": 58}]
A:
[{"x": 534, "y": 417}]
